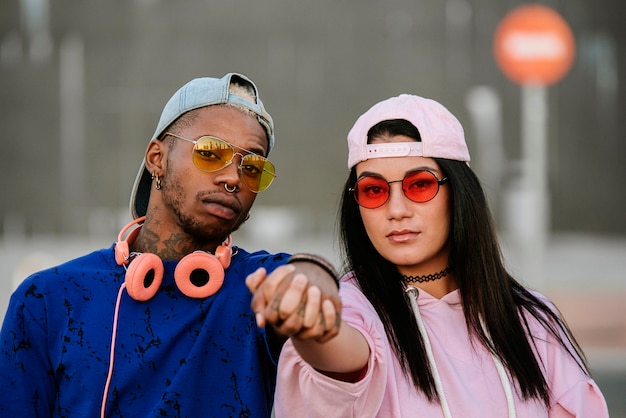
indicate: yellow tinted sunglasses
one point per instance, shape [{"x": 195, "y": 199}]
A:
[{"x": 212, "y": 154}]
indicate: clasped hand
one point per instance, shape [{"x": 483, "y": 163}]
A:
[{"x": 298, "y": 304}]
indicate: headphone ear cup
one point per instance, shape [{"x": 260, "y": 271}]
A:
[
  {"x": 144, "y": 276},
  {"x": 224, "y": 253},
  {"x": 199, "y": 275}
]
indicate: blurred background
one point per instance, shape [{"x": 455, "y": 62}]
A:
[{"x": 82, "y": 85}]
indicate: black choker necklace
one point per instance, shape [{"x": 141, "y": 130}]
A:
[{"x": 427, "y": 277}]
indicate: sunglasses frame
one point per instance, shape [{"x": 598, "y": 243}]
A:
[
  {"x": 229, "y": 162},
  {"x": 353, "y": 189}
]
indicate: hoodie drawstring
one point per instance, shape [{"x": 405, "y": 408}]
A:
[
  {"x": 504, "y": 377},
  {"x": 413, "y": 294}
]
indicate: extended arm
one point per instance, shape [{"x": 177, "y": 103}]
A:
[{"x": 297, "y": 301}]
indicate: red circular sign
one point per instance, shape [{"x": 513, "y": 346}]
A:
[{"x": 534, "y": 45}]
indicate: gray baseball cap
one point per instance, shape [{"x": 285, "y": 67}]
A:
[{"x": 197, "y": 93}]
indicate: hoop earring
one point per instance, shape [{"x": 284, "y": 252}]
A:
[{"x": 157, "y": 180}]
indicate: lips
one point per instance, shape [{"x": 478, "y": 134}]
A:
[
  {"x": 222, "y": 207},
  {"x": 404, "y": 235}
]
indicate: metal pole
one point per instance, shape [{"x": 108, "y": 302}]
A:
[{"x": 534, "y": 182}]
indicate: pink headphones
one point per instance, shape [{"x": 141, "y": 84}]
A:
[{"x": 197, "y": 275}]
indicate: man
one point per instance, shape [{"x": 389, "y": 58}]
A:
[{"x": 160, "y": 323}]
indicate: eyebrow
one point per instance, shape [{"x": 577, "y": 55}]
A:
[
  {"x": 412, "y": 170},
  {"x": 256, "y": 149}
]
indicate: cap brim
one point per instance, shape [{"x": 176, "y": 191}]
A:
[{"x": 141, "y": 192}]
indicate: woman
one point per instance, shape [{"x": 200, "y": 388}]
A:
[{"x": 432, "y": 324}]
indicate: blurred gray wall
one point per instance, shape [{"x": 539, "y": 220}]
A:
[{"x": 82, "y": 84}]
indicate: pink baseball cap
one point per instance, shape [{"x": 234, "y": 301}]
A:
[{"x": 441, "y": 132}]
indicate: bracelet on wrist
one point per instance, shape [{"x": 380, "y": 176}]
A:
[{"x": 318, "y": 261}]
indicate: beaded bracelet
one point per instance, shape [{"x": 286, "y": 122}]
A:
[{"x": 318, "y": 261}]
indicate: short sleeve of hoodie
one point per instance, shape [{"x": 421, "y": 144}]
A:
[{"x": 574, "y": 393}]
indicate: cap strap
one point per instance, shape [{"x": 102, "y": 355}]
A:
[{"x": 394, "y": 149}]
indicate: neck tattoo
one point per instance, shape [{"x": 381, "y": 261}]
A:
[{"x": 427, "y": 277}]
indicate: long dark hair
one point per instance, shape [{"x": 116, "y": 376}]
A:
[{"x": 489, "y": 293}]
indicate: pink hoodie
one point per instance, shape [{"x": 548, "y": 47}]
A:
[{"x": 471, "y": 384}]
